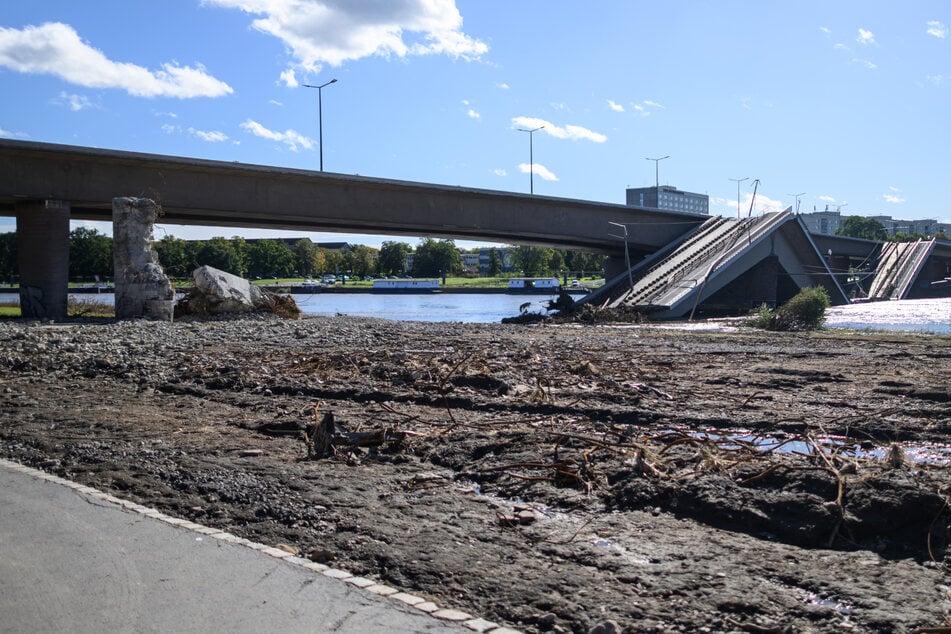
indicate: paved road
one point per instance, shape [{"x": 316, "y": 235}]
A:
[{"x": 72, "y": 562}]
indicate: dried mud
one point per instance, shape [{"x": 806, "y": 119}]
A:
[{"x": 549, "y": 477}]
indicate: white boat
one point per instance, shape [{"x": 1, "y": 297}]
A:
[
  {"x": 534, "y": 283},
  {"x": 406, "y": 285}
]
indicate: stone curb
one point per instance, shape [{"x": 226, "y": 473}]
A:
[{"x": 396, "y": 595}]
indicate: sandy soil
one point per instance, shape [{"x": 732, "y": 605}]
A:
[{"x": 550, "y": 477}]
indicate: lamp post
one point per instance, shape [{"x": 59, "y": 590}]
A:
[
  {"x": 320, "y": 118},
  {"x": 738, "y": 181},
  {"x": 797, "y": 200},
  {"x": 531, "y": 159},
  {"x": 657, "y": 169},
  {"x": 627, "y": 255}
]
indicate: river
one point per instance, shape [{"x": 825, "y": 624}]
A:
[{"x": 925, "y": 315}]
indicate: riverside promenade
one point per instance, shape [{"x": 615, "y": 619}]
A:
[{"x": 73, "y": 559}]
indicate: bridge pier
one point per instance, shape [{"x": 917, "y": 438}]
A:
[{"x": 43, "y": 256}]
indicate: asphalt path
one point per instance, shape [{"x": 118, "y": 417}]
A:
[{"x": 71, "y": 561}]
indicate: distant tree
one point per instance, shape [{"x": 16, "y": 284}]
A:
[
  {"x": 903, "y": 236},
  {"x": 436, "y": 257},
  {"x": 333, "y": 261},
  {"x": 362, "y": 260},
  {"x": 320, "y": 262},
  {"x": 862, "y": 227},
  {"x": 392, "y": 259},
  {"x": 533, "y": 260},
  {"x": 9, "y": 265},
  {"x": 580, "y": 262},
  {"x": 941, "y": 235},
  {"x": 219, "y": 253},
  {"x": 174, "y": 256},
  {"x": 305, "y": 257},
  {"x": 90, "y": 254},
  {"x": 243, "y": 252},
  {"x": 270, "y": 258},
  {"x": 495, "y": 263}
]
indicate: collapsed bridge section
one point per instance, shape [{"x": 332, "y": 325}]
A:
[{"x": 724, "y": 266}]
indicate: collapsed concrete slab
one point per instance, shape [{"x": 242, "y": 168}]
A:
[
  {"x": 142, "y": 288},
  {"x": 218, "y": 292}
]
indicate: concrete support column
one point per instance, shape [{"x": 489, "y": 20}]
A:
[
  {"x": 43, "y": 255},
  {"x": 142, "y": 288}
]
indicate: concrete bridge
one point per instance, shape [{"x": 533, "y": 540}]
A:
[
  {"x": 46, "y": 185},
  {"x": 218, "y": 193}
]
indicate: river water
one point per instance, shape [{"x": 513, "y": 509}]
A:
[{"x": 925, "y": 315}]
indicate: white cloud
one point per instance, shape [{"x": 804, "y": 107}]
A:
[
  {"x": 168, "y": 128},
  {"x": 74, "y": 102},
  {"x": 763, "y": 204},
  {"x": 500, "y": 172},
  {"x": 289, "y": 78},
  {"x": 212, "y": 137},
  {"x": 864, "y": 62},
  {"x": 865, "y": 37},
  {"x": 825, "y": 30},
  {"x": 503, "y": 86},
  {"x": 937, "y": 29},
  {"x": 275, "y": 102},
  {"x": 559, "y": 105},
  {"x": 292, "y": 139},
  {"x": 893, "y": 197},
  {"x": 827, "y": 199},
  {"x": 6, "y": 134},
  {"x": 644, "y": 108},
  {"x": 472, "y": 114},
  {"x": 540, "y": 170},
  {"x": 839, "y": 46},
  {"x": 319, "y": 32},
  {"x": 573, "y": 132},
  {"x": 170, "y": 115},
  {"x": 616, "y": 107},
  {"x": 56, "y": 49}
]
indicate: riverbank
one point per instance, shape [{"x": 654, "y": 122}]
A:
[{"x": 552, "y": 477}]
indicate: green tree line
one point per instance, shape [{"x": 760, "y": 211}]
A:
[{"x": 91, "y": 258}]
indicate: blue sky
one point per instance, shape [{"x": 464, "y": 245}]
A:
[{"x": 845, "y": 101}]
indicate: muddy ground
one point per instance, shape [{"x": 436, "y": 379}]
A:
[{"x": 547, "y": 477}]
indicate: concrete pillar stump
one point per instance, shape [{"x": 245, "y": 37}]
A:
[
  {"x": 142, "y": 288},
  {"x": 43, "y": 256}
]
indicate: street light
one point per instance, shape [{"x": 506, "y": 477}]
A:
[
  {"x": 738, "y": 181},
  {"x": 320, "y": 117},
  {"x": 657, "y": 169},
  {"x": 797, "y": 200},
  {"x": 531, "y": 159},
  {"x": 627, "y": 255}
]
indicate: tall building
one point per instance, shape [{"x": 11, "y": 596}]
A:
[{"x": 669, "y": 198}]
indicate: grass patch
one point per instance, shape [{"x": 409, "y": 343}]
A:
[{"x": 74, "y": 308}]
